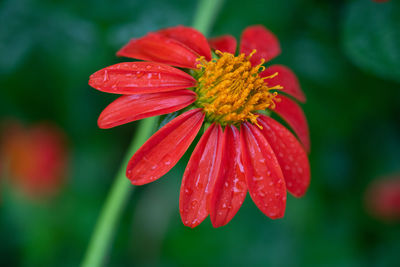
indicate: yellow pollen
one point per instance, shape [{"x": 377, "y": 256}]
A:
[{"x": 230, "y": 89}]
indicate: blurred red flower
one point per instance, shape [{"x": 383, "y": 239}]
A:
[
  {"x": 243, "y": 149},
  {"x": 34, "y": 158},
  {"x": 382, "y": 198}
]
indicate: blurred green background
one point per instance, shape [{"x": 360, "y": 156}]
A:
[{"x": 347, "y": 57}]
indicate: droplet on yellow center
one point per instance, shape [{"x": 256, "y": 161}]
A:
[{"x": 230, "y": 89}]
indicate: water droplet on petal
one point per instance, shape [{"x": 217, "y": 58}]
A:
[
  {"x": 139, "y": 74},
  {"x": 194, "y": 203},
  {"x": 257, "y": 178},
  {"x": 105, "y": 78}
]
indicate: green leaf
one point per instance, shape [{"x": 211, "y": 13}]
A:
[{"x": 371, "y": 36}]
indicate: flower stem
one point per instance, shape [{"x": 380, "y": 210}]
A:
[
  {"x": 118, "y": 196},
  {"x": 206, "y": 14}
]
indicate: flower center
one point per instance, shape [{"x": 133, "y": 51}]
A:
[{"x": 230, "y": 89}]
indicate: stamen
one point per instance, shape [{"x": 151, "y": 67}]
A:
[{"x": 230, "y": 89}]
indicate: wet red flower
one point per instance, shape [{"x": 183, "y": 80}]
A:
[
  {"x": 243, "y": 149},
  {"x": 382, "y": 198},
  {"x": 34, "y": 158}
]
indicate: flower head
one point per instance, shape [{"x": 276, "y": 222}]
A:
[
  {"x": 382, "y": 198},
  {"x": 243, "y": 149},
  {"x": 35, "y": 158}
]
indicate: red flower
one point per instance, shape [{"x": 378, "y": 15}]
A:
[
  {"x": 242, "y": 149},
  {"x": 34, "y": 158},
  {"x": 382, "y": 198}
]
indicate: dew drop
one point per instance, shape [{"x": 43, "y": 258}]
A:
[
  {"x": 236, "y": 190},
  {"x": 139, "y": 74},
  {"x": 194, "y": 203},
  {"x": 105, "y": 78},
  {"x": 257, "y": 178}
]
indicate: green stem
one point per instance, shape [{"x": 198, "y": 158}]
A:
[
  {"x": 206, "y": 14},
  {"x": 118, "y": 196},
  {"x": 121, "y": 189}
]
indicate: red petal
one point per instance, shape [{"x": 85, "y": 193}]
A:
[
  {"x": 294, "y": 116},
  {"x": 259, "y": 38},
  {"x": 140, "y": 77},
  {"x": 290, "y": 154},
  {"x": 190, "y": 37},
  {"x": 199, "y": 177},
  {"x": 158, "y": 48},
  {"x": 164, "y": 149},
  {"x": 230, "y": 186},
  {"x": 225, "y": 43},
  {"x": 135, "y": 107},
  {"x": 263, "y": 174},
  {"x": 286, "y": 78}
]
